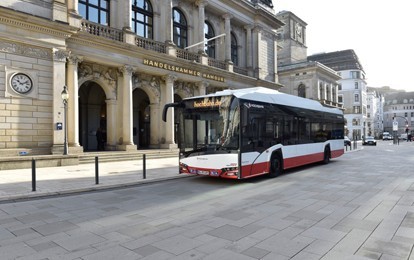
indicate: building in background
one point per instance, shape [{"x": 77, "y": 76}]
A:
[
  {"x": 399, "y": 107},
  {"x": 122, "y": 61},
  {"x": 375, "y": 104},
  {"x": 352, "y": 89},
  {"x": 300, "y": 77}
]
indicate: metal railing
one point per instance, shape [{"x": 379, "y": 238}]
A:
[
  {"x": 149, "y": 44},
  {"x": 102, "y": 31}
]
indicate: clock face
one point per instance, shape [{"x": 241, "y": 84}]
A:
[{"x": 21, "y": 83}]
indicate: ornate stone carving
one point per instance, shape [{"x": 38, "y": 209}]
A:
[
  {"x": 149, "y": 83},
  {"x": 60, "y": 55},
  {"x": 21, "y": 49},
  {"x": 185, "y": 88},
  {"x": 99, "y": 72},
  {"x": 74, "y": 59}
]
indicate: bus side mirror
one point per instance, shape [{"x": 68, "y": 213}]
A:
[{"x": 165, "y": 110}]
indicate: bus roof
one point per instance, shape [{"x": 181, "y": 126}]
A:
[{"x": 266, "y": 95}]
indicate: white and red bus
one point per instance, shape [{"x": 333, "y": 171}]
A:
[{"x": 249, "y": 132}]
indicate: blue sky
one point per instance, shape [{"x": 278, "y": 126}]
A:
[{"x": 380, "y": 32}]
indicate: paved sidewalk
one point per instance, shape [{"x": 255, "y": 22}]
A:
[{"x": 17, "y": 184}]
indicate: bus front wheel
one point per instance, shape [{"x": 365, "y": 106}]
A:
[
  {"x": 326, "y": 155},
  {"x": 275, "y": 166}
]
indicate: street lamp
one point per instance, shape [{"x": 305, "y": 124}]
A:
[{"x": 65, "y": 97}]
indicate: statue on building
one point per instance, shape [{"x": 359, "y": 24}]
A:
[{"x": 267, "y": 2}]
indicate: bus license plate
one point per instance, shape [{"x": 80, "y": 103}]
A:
[{"x": 203, "y": 172}]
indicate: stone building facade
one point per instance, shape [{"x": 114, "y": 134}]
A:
[
  {"x": 300, "y": 77},
  {"x": 399, "y": 108},
  {"x": 122, "y": 61}
]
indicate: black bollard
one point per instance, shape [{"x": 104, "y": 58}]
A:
[
  {"x": 33, "y": 175},
  {"x": 144, "y": 167},
  {"x": 96, "y": 170}
]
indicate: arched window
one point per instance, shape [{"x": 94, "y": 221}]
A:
[
  {"x": 234, "y": 49},
  {"x": 179, "y": 28},
  {"x": 302, "y": 91},
  {"x": 142, "y": 18},
  {"x": 96, "y": 11},
  {"x": 210, "y": 46}
]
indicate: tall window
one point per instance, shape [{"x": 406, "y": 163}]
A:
[
  {"x": 96, "y": 11},
  {"x": 210, "y": 46},
  {"x": 302, "y": 91},
  {"x": 179, "y": 28},
  {"x": 356, "y": 84},
  {"x": 356, "y": 97},
  {"x": 142, "y": 18},
  {"x": 234, "y": 49}
]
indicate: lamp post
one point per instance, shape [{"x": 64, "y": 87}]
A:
[{"x": 65, "y": 97}]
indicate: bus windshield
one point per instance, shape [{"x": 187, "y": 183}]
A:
[{"x": 209, "y": 125}]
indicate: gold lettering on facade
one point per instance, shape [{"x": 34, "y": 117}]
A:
[{"x": 187, "y": 71}]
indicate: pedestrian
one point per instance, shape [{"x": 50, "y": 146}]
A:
[{"x": 100, "y": 139}]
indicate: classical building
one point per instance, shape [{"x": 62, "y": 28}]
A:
[
  {"x": 352, "y": 89},
  {"x": 399, "y": 108},
  {"x": 121, "y": 62},
  {"x": 300, "y": 77}
]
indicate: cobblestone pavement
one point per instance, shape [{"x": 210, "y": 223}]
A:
[{"x": 360, "y": 206}]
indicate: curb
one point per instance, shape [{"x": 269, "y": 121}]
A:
[{"x": 46, "y": 195}]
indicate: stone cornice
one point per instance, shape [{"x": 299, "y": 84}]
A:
[{"x": 32, "y": 23}]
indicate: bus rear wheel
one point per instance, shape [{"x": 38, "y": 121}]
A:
[
  {"x": 326, "y": 155},
  {"x": 275, "y": 166}
]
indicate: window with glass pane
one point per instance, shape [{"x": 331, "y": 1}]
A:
[
  {"x": 142, "y": 18},
  {"x": 179, "y": 28},
  {"x": 234, "y": 55},
  {"x": 96, "y": 11},
  {"x": 210, "y": 46}
]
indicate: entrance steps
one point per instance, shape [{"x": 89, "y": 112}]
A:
[{"x": 110, "y": 156}]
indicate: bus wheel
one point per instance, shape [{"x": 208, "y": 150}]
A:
[
  {"x": 275, "y": 166},
  {"x": 326, "y": 155}
]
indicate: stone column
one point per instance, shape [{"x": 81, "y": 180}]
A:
[
  {"x": 59, "y": 80},
  {"x": 127, "y": 14},
  {"x": 257, "y": 32},
  {"x": 227, "y": 29},
  {"x": 127, "y": 134},
  {"x": 73, "y": 6},
  {"x": 111, "y": 105},
  {"x": 202, "y": 87},
  {"x": 201, "y": 20},
  {"x": 155, "y": 125},
  {"x": 73, "y": 104},
  {"x": 169, "y": 125},
  {"x": 168, "y": 21},
  {"x": 249, "y": 55}
]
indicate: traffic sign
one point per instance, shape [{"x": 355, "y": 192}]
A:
[{"x": 395, "y": 126}]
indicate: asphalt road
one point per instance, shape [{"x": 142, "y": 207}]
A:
[{"x": 360, "y": 206}]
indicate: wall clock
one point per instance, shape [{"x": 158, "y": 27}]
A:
[{"x": 21, "y": 83}]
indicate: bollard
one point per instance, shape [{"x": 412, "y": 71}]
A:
[
  {"x": 33, "y": 175},
  {"x": 96, "y": 170},
  {"x": 144, "y": 166}
]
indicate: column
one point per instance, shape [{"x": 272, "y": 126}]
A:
[
  {"x": 168, "y": 21},
  {"x": 127, "y": 14},
  {"x": 59, "y": 77},
  {"x": 73, "y": 6},
  {"x": 169, "y": 125},
  {"x": 111, "y": 105},
  {"x": 249, "y": 58},
  {"x": 227, "y": 29},
  {"x": 127, "y": 135},
  {"x": 257, "y": 31},
  {"x": 73, "y": 104},
  {"x": 201, "y": 20},
  {"x": 202, "y": 87}
]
